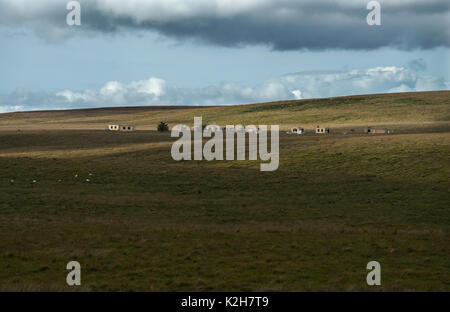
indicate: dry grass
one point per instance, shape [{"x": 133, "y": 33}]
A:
[
  {"x": 413, "y": 109},
  {"x": 146, "y": 222}
]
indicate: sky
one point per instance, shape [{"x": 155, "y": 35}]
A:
[{"x": 216, "y": 52}]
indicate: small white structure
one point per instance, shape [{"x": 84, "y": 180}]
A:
[
  {"x": 121, "y": 128},
  {"x": 320, "y": 130},
  {"x": 376, "y": 131},
  {"x": 298, "y": 130},
  {"x": 126, "y": 128}
]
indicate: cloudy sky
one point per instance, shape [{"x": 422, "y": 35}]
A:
[{"x": 209, "y": 52}]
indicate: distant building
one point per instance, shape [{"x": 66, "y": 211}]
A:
[
  {"x": 320, "y": 130},
  {"x": 126, "y": 128},
  {"x": 298, "y": 130},
  {"x": 121, "y": 128},
  {"x": 376, "y": 131}
]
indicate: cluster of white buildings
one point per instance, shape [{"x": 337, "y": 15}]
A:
[
  {"x": 121, "y": 128},
  {"x": 300, "y": 130}
]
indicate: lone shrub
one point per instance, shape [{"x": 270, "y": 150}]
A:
[{"x": 163, "y": 127}]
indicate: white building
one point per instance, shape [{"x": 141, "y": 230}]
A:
[{"x": 298, "y": 130}]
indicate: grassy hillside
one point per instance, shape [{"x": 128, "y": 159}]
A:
[
  {"x": 146, "y": 222},
  {"x": 418, "y": 109}
]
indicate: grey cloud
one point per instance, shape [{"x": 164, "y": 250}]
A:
[
  {"x": 279, "y": 24},
  {"x": 417, "y": 65}
]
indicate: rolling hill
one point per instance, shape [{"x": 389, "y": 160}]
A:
[
  {"x": 419, "y": 109},
  {"x": 136, "y": 219}
]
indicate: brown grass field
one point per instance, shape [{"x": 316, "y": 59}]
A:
[{"x": 145, "y": 222}]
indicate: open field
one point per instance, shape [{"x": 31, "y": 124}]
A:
[{"x": 145, "y": 222}]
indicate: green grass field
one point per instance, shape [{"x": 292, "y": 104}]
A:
[{"x": 145, "y": 222}]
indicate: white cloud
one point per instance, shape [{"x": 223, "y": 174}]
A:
[
  {"x": 6, "y": 109},
  {"x": 157, "y": 10},
  {"x": 297, "y": 94},
  {"x": 156, "y": 91},
  {"x": 401, "y": 88},
  {"x": 112, "y": 88},
  {"x": 71, "y": 97},
  {"x": 154, "y": 86}
]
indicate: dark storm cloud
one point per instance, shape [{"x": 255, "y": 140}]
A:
[{"x": 281, "y": 25}]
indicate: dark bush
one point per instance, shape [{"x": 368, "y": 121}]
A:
[{"x": 162, "y": 127}]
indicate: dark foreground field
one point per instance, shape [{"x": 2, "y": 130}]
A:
[{"x": 145, "y": 222}]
